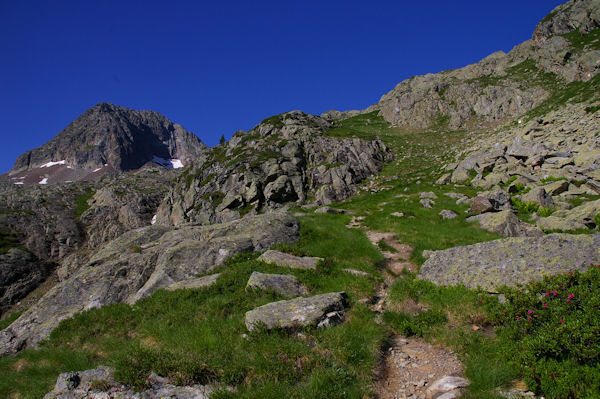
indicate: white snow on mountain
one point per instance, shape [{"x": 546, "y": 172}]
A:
[
  {"x": 49, "y": 164},
  {"x": 44, "y": 181},
  {"x": 168, "y": 163}
]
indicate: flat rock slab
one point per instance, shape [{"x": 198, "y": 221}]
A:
[
  {"x": 319, "y": 310},
  {"x": 287, "y": 260},
  {"x": 195, "y": 283},
  {"x": 84, "y": 384},
  {"x": 283, "y": 284},
  {"x": 510, "y": 261}
]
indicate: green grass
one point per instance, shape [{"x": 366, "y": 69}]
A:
[
  {"x": 8, "y": 240},
  {"x": 198, "y": 335},
  {"x": 580, "y": 42},
  {"x": 81, "y": 202},
  {"x": 7, "y": 320}
]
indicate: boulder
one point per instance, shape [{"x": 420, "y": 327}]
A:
[
  {"x": 511, "y": 261},
  {"x": 521, "y": 148},
  {"x": 481, "y": 204},
  {"x": 538, "y": 196},
  {"x": 580, "y": 217},
  {"x": 140, "y": 262},
  {"x": 333, "y": 211},
  {"x": 428, "y": 194},
  {"x": 318, "y": 310},
  {"x": 283, "y": 284},
  {"x": 556, "y": 188},
  {"x": 505, "y": 223},
  {"x": 287, "y": 260}
]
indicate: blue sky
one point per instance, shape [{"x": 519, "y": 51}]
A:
[{"x": 216, "y": 67}]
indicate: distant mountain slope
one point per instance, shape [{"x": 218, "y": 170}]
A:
[
  {"x": 109, "y": 137},
  {"x": 564, "y": 52}
]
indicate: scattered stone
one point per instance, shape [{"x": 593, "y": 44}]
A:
[
  {"x": 287, "y": 260},
  {"x": 397, "y": 214},
  {"x": 511, "y": 261},
  {"x": 427, "y": 203},
  {"x": 357, "y": 272},
  {"x": 319, "y": 310},
  {"x": 505, "y": 223},
  {"x": 448, "y": 214},
  {"x": 445, "y": 179},
  {"x": 444, "y": 385},
  {"x": 428, "y": 194},
  {"x": 283, "y": 284},
  {"x": 334, "y": 211}
]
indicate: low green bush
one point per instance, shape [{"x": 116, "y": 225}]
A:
[{"x": 550, "y": 331}]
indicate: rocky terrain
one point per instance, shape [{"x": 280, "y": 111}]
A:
[{"x": 341, "y": 255}]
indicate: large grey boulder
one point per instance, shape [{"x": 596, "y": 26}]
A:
[
  {"x": 318, "y": 310},
  {"x": 140, "y": 262},
  {"x": 580, "y": 217},
  {"x": 99, "y": 383},
  {"x": 538, "y": 196},
  {"x": 506, "y": 223},
  {"x": 283, "y": 284},
  {"x": 510, "y": 261},
  {"x": 288, "y": 260}
]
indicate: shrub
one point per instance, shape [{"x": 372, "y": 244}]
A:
[{"x": 550, "y": 331}]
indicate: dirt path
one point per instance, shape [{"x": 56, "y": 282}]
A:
[{"x": 410, "y": 365}]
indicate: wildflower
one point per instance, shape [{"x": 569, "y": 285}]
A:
[
  {"x": 530, "y": 311},
  {"x": 547, "y": 292},
  {"x": 570, "y": 273},
  {"x": 568, "y": 301},
  {"x": 561, "y": 321},
  {"x": 554, "y": 292},
  {"x": 545, "y": 305},
  {"x": 519, "y": 318},
  {"x": 571, "y": 296},
  {"x": 529, "y": 319}
]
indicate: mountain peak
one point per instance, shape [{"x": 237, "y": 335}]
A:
[{"x": 114, "y": 136}]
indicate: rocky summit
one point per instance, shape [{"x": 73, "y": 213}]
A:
[{"x": 351, "y": 254}]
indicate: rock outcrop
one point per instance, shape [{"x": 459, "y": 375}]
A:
[
  {"x": 288, "y": 260},
  {"x": 287, "y": 158},
  {"x": 140, "y": 262},
  {"x": 511, "y": 261}
]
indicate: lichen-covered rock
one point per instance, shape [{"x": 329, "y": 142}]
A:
[
  {"x": 580, "y": 217},
  {"x": 556, "y": 188},
  {"x": 194, "y": 283},
  {"x": 99, "y": 383},
  {"x": 448, "y": 214},
  {"x": 481, "y": 204},
  {"x": 140, "y": 262},
  {"x": 510, "y": 261},
  {"x": 538, "y": 196},
  {"x": 287, "y": 260},
  {"x": 506, "y": 223},
  {"x": 319, "y": 310},
  {"x": 286, "y": 285}
]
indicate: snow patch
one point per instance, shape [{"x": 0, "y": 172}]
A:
[
  {"x": 49, "y": 164},
  {"x": 19, "y": 182},
  {"x": 44, "y": 181},
  {"x": 168, "y": 163},
  {"x": 153, "y": 219},
  {"x": 95, "y": 170}
]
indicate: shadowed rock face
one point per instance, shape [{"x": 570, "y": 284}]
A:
[
  {"x": 123, "y": 138},
  {"x": 510, "y": 261},
  {"x": 579, "y": 14},
  {"x": 140, "y": 262}
]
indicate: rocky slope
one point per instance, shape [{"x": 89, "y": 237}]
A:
[{"x": 108, "y": 138}]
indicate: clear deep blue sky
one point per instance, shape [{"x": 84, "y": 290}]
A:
[{"x": 216, "y": 67}]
